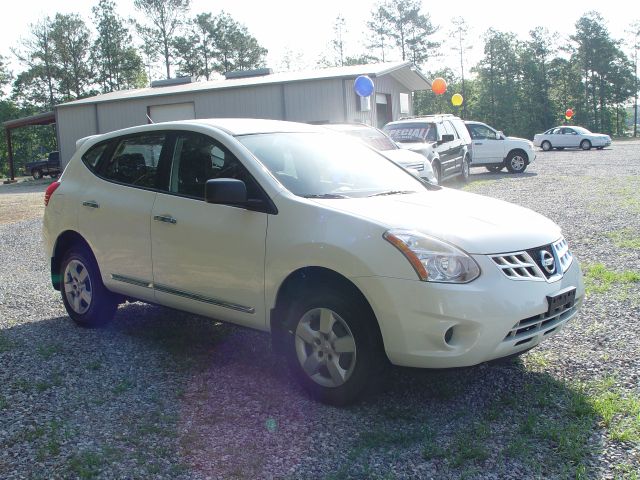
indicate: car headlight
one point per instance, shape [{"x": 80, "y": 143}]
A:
[{"x": 432, "y": 259}]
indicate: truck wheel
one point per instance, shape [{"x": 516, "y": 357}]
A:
[
  {"x": 517, "y": 161},
  {"x": 334, "y": 350},
  {"x": 36, "y": 173},
  {"x": 85, "y": 297}
]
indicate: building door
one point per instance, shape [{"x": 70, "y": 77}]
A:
[{"x": 383, "y": 109}]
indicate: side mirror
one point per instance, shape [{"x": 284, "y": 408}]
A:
[
  {"x": 446, "y": 138},
  {"x": 500, "y": 135},
  {"x": 226, "y": 191}
]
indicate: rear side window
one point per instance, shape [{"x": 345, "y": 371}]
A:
[
  {"x": 135, "y": 160},
  {"x": 448, "y": 127},
  {"x": 462, "y": 131},
  {"x": 92, "y": 156}
]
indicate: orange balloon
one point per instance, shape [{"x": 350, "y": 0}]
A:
[{"x": 439, "y": 86}]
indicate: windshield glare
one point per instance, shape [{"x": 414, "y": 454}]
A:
[
  {"x": 412, "y": 132},
  {"x": 328, "y": 165}
]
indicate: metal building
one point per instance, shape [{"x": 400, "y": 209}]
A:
[{"x": 325, "y": 95}]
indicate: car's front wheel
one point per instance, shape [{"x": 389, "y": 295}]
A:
[
  {"x": 585, "y": 145},
  {"x": 437, "y": 172},
  {"x": 517, "y": 162},
  {"x": 36, "y": 173},
  {"x": 464, "y": 175},
  {"x": 334, "y": 348},
  {"x": 85, "y": 297},
  {"x": 546, "y": 146}
]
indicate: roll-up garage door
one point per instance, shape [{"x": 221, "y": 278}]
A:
[{"x": 174, "y": 111}]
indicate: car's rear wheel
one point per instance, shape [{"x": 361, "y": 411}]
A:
[
  {"x": 36, "y": 173},
  {"x": 585, "y": 145},
  {"x": 334, "y": 350},
  {"x": 85, "y": 297},
  {"x": 494, "y": 168},
  {"x": 517, "y": 162},
  {"x": 546, "y": 146}
]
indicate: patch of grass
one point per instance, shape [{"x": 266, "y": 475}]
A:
[
  {"x": 86, "y": 464},
  {"x": 470, "y": 444},
  {"x": 626, "y": 472},
  {"x": 381, "y": 437},
  {"x": 599, "y": 279},
  {"x": 619, "y": 411},
  {"x": 477, "y": 185},
  {"x": 122, "y": 387},
  {"x": 625, "y": 238},
  {"x": 537, "y": 359},
  {"x": 48, "y": 351}
]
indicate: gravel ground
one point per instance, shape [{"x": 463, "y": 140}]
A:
[{"x": 163, "y": 394}]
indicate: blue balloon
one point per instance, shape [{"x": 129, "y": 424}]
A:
[{"x": 363, "y": 86}]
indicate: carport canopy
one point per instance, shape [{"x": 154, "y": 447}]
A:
[{"x": 47, "y": 118}]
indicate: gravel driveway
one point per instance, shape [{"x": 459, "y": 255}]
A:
[{"x": 163, "y": 394}]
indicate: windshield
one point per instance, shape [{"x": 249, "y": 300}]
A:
[
  {"x": 582, "y": 130},
  {"x": 371, "y": 136},
  {"x": 412, "y": 132},
  {"x": 319, "y": 165}
]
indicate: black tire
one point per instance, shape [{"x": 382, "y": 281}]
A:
[
  {"x": 517, "y": 161},
  {"x": 357, "y": 369},
  {"x": 494, "y": 168},
  {"x": 80, "y": 280},
  {"x": 437, "y": 172},
  {"x": 599, "y": 148},
  {"x": 585, "y": 144},
  {"x": 36, "y": 173},
  {"x": 546, "y": 145},
  {"x": 464, "y": 174}
]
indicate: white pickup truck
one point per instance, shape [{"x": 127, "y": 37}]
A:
[{"x": 493, "y": 150}]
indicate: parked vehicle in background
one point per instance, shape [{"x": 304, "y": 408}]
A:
[
  {"x": 493, "y": 150},
  {"x": 346, "y": 258},
  {"x": 443, "y": 139},
  {"x": 570, "y": 137},
  {"x": 381, "y": 142},
  {"x": 47, "y": 166}
]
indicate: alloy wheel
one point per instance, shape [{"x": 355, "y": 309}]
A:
[{"x": 77, "y": 287}]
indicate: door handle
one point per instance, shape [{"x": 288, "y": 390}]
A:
[
  {"x": 165, "y": 219},
  {"x": 478, "y": 143},
  {"x": 91, "y": 203}
]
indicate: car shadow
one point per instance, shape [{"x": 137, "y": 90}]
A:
[{"x": 234, "y": 409}]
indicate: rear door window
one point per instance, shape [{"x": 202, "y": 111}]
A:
[{"x": 135, "y": 160}]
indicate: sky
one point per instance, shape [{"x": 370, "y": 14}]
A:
[{"x": 304, "y": 29}]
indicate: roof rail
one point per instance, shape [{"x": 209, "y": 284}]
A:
[{"x": 427, "y": 116}]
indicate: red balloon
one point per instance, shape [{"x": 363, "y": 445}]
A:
[
  {"x": 439, "y": 86},
  {"x": 569, "y": 113}
]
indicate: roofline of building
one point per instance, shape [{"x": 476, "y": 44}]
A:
[{"x": 46, "y": 118}]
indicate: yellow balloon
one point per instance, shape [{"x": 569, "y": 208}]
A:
[{"x": 456, "y": 100}]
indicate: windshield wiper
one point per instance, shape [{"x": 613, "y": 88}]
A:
[
  {"x": 325, "y": 195},
  {"x": 392, "y": 192}
]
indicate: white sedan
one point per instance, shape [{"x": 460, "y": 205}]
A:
[
  {"x": 346, "y": 258},
  {"x": 570, "y": 137}
]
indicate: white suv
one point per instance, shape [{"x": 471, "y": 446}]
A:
[
  {"x": 493, "y": 150},
  {"x": 347, "y": 259}
]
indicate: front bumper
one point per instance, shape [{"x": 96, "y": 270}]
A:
[{"x": 491, "y": 317}]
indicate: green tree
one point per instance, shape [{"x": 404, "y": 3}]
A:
[
  {"x": 164, "y": 19},
  {"x": 339, "y": 30},
  {"x": 5, "y": 75},
  {"x": 195, "y": 50},
  {"x": 117, "y": 63},
  {"x": 235, "y": 47},
  {"x": 37, "y": 84},
  {"x": 409, "y": 30},
  {"x": 634, "y": 43},
  {"x": 71, "y": 48}
]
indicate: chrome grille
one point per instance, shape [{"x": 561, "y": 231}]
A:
[
  {"x": 528, "y": 265},
  {"x": 518, "y": 266},
  {"x": 564, "y": 256}
]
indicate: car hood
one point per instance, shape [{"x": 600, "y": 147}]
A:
[
  {"x": 416, "y": 146},
  {"x": 404, "y": 157},
  {"x": 475, "y": 223},
  {"x": 518, "y": 139}
]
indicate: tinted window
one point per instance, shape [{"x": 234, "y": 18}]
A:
[
  {"x": 462, "y": 131},
  {"x": 135, "y": 160},
  {"x": 449, "y": 129},
  {"x": 198, "y": 158},
  {"x": 94, "y": 154}
]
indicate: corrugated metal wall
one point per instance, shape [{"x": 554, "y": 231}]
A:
[{"x": 331, "y": 100}]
